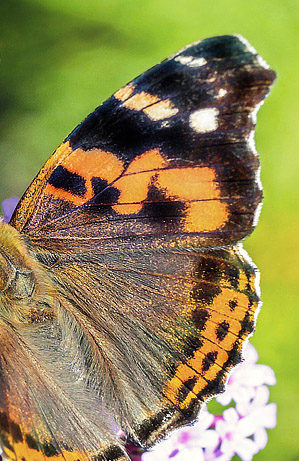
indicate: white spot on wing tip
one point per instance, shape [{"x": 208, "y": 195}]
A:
[
  {"x": 190, "y": 61},
  {"x": 161, "y": 110},
  {"x": 198, "y": 62},
  {"x": 204, "y": 120},
  {"x": 183, "y": 59},
  {"x": 222, "y": 92}
]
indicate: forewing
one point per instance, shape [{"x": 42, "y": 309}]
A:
[{"x": 169, "y": 159}]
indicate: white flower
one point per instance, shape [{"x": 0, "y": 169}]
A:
[
  {"x": 234, "y": 434},
  {"x": 259, "y": 415}
]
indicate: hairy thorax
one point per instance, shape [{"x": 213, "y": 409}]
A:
[{"x": 26, "y": 292}]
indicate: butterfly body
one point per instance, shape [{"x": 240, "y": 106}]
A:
[{"x": 125, "y": 293}]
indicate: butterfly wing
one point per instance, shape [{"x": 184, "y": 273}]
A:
[
  {"x": 168, "y": 160},
  {"x": 169, "y": 327},
  {"x": 147, "y": 320}
]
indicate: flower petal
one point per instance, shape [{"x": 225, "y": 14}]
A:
[
  {"x": 260, "y": 438},
  {"x": 230, "y": 416},
  {"x": 246, "y": 448},
  {"x": 8, "y": 207}
]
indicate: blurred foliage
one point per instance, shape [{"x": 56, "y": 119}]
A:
[{"x": 60, "y": 59}]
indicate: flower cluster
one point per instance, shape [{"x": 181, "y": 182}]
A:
[{"x": 240, "y": 430}]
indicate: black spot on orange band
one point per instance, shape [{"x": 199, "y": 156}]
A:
[
  {"x": 247, "y": 324},
  {"x": 31, "y": 442},
  {"x": 209, "y": 360},
  {"x": 159, "y": 207},
  {"x": 233, "y": 304},
  {"x": 61, "y": 178},
  {"x": 49, "y": 450},
  {"x": 185, "y": 389},
  {"x": 16, "y": 432},
  {"x": 222, "y": 330},
  {"x": 103, "y": 193}
]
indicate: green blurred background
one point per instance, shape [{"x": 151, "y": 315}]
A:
[{"x": 61, "y": 58}]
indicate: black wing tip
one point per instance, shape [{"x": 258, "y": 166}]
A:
[{"x": 225, "y": 47}]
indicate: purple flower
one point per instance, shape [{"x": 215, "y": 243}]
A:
[
  {"x": 259, "y": 415},
  {"x": 245, "y": 378},
  {"x": 187, "y": 442},
  {"x": 8, "y": 207},
  {"x": 234, "y": 432}
]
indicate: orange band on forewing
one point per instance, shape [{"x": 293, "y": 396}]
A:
[
  {"x": 133, "y": 185},
  {"x": 189, "y": 183},
  {"x": 148, "y": 161},
  {"x": 206, "y": 216},
  {"x": 198, "y": 185},
  {"x": 94, "y": 163},
  {"x": 87, "y": 164}
]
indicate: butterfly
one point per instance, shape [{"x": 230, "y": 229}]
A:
[{"x": 125, "y": 292}]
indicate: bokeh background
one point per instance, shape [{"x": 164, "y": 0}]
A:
[{"x": 61, "y": 58}]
